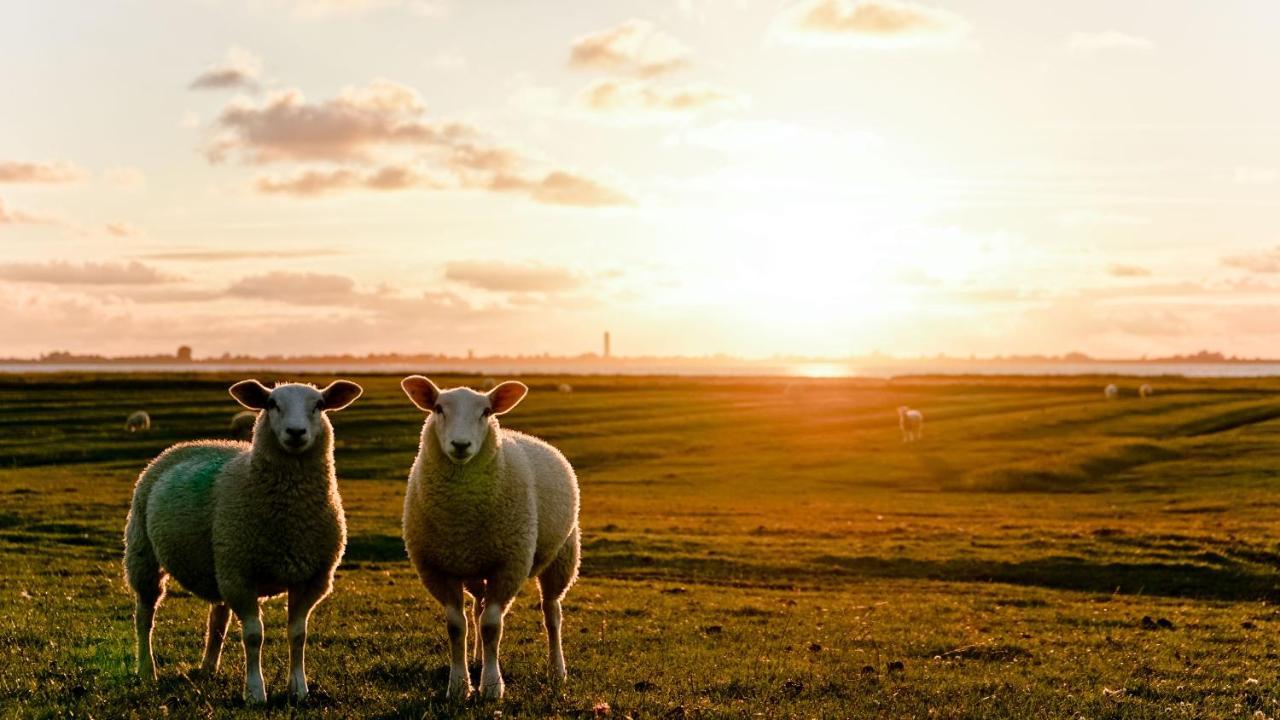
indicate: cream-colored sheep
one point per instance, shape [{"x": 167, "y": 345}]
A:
[
  {"x": 138, "y": 421},
  {"x": 1111, "y": 392},
  {"x": 242, "y": 424},
  {"x": 234, "y": 522},
  {"x": 487, "y": 509},
  {"x": 911, "y": 422},
  {"x": 565, "y": 388},
  {"x": 1145, "y": 391},
  {"x": 488, "y": 384}
]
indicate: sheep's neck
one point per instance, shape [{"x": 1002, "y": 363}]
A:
[{"x": 311, "y": 468}]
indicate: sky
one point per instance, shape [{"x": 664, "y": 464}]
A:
[{"x": 751, "y": 177}]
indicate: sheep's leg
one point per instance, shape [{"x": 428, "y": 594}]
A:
[
  {"x": 499, "y": 592},
  {"x": 255, "y": 689},
  {"x": 553, "y": 583},
  {"x": 147, "y": 580},
  {"x": 219, "y": 616},
  {"x": 448, "y": 592},
  {"x": 301, "y": 601},
  {"x": 476, "y": 588}
]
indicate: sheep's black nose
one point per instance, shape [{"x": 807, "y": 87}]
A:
[
  {"x": 461, "y": 446},
  {"x": 296, "y": 433}
]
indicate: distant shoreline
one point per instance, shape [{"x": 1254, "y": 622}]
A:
[{"x": 799, "y": 368}]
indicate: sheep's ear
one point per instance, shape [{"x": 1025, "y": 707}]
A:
[
  {"x": 421, "y": 391},
  {"x": 506, "y": 396},
  {"x": 251, "y": 394},
  {"x": 340, "y": 394}
]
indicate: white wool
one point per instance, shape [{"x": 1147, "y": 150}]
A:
[{"x": 911, "y": 422}]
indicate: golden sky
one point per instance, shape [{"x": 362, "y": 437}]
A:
[{"x": 822, "y": 177}]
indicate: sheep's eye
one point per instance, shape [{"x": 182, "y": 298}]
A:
[
  {"x": 437, "y": 410},
  {"x": 272, "y": 405},
  {"x": 319, "y": 406},
  {"x": 486, "y": 412}
]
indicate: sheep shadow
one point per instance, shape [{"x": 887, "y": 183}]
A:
[{"x": 376, "y": 548}]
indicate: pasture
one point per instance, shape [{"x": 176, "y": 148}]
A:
[{"x": 751, "y": 548}]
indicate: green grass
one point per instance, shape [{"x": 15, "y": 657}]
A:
[{"x": 751, "y": 548}]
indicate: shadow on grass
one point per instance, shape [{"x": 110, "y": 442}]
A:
[
  {"x": 374, "y": 549},
  {"x": 1171, "y": 579}
]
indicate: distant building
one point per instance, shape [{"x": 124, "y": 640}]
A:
[
  {"x": 606, "y": 344},
  {"x": 184, "y": 354}
]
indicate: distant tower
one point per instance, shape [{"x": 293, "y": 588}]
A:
[
  {"x": 606, "y": 343},
  {"x": 184, "y": 354},
  {"x": 471, "y": 354}
]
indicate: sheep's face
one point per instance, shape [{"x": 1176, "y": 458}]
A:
[
  {"x": 461, "y": 417},
  {"x": 294, "y": 413}
]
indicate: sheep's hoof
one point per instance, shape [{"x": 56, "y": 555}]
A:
[
  {"x": 459, "y": 689},
  {"x": 492, "y": 691},
  {"x": 255, "y": 696},
  {"x": 298, "y": 693}
]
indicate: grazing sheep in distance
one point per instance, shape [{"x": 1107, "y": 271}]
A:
[
  {"x": 139, "y": 421},
  {"x": 911, "y": 423},
  {"x": 486, "y": 509},
  {"x": 234, "y": 522},
  {"x": 565, "y": 388},
  {"x": 1145, "y": 391},
  {"x": 242, "y": 424},
  {"x": 1111, "y": 391},
  {"x": 488, "y": 384}
]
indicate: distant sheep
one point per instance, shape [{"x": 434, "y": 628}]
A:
[
  {"x": 911, "y": 422},
  {"x": 234, "y": 522},
  {"x": 242, "y": 424},
  {"x": 565, "y": 388},
  {"x": 485, "y": 510},
  {"x": 1111, "y": 392},
  {"x": 139, "y": 421},
  {"x": 488, "y": 384},
  {"x": 1145, "y": 391}
]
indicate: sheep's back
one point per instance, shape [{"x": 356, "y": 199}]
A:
[{"x": 555, "y": 492}]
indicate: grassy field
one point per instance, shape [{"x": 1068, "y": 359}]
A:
[{"x": 752, "y": 547}]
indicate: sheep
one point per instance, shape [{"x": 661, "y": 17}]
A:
[
  {"x": 485, "y": 510},
  {"x": 1145, "y": 391},
  {"x": 242, "y": 424},
  {"x": 234, "y": 522},
  {"x": 1111, "y": 391},
  {"x": 488, "y": 384},
  {"x": 138, "y": 421},
  {"x": 911, "y": 422},
  {"x": 565, "y": 388}
]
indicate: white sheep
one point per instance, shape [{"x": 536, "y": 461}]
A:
[
  {"x": 488, "y": 384},
  {"x": 1145, "y": 391},
  {"x": 486, "y": 509},
  {"x": 138, "y": 421},
  {"x": 1111, "y": 391},
  {"x": 911, "y": 422},
  {"x": 234, "y": 522},
  {"x": 242, "y": 424},
  {"x": 565, "y": 388}
]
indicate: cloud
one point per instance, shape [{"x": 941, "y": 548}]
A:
[
  {"x": 511, "y": 277},
  {"x": 640, "y": 98},
  {"x": 61, "y": 272},
  {"x": 240, "y": 69},
  {"x": 295, "y": 288},
  {"x": 1119, "y": 270},
  {"x": 19, "y": 217},
  {"x": 563, "y": 188},
  {"x": 35, "y": 172},
  {"x": 375, "y": 138},
  {"x": 870, "y": 23},
  {"x": 1108, "y": 40},
  {"x": 231, "y": 255},
  {"x": 312, "y": 183},
  {"x": 123, "y": 230},
  {"x": 360, "y": 120},
  {"x": 636, "y": 47},
  {"x": 1267, "y": 261}
]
